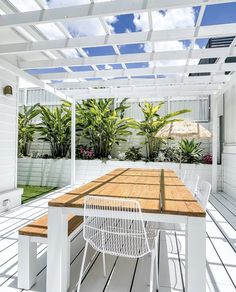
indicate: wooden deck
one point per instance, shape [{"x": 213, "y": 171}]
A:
[{"x": 125, "y": 275}]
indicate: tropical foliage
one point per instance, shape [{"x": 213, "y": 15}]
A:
[
  {"x": 133, "y": 153},
  {"x": 152, "y": 123},
  {"x": 168, "y": 154},
  {"x": 55, "y": 128},
  {"x": 26, "y": 128},
  {"x": 190, "y": 151},
  {"x": 102, "y": 124}
]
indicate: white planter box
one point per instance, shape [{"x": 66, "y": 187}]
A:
[
  {"x": 56, "y": 172},
  {"x": 10, "y": 199}
]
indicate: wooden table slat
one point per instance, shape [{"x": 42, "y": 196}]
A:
[{"x": 166, "y": 195}]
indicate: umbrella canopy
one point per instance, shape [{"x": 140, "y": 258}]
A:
[{"x": 184, "y": 129}]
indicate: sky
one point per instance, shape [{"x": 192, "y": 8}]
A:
[{"x": 162, "y": 20}]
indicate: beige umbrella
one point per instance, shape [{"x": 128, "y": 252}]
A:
[{"x": 183, "y": 129}]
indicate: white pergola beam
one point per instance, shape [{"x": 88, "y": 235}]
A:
[
  {"x": 121, "y": 39},
  {"x": 137, "y": 83},
  {"x": 204, "y": 68},
  {"x": 130, "y": 58},
  {"x": 100, "y": 9},
  {"x": 132, "y": 93},
  {"x": 172, "y": 81}
]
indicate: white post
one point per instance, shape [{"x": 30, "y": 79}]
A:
[
  {"x": 16, "y": 130},
  {"x": 57, "y": 254},
  {"x": 214, "y": 114},
  {"x": 195, "y": 271},
  {"x": 27, "y": 262},
  {"x": 73, "y": 126}
]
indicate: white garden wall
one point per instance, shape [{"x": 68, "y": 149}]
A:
[
  {"x": 9, "y": 195},
  {"x": 56, "y": 172}
]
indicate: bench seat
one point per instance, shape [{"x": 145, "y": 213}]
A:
[
  {"x": 39, "y": 227},
  {"x": 32, "y": 234}
]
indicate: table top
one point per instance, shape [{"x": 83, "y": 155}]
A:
[{"x": 158, "y": 191}]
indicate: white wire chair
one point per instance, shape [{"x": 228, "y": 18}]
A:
[
  {"x": 183, "y": 176},
  {"x": 115, "y": 226},
  {"x": 192, "y": 183},
  {"x": 203, "y": 193}
]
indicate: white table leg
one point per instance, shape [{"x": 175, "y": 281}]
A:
[
  {"x": 195, "y": 269},
  {"x": 27, "y": 262},
  {"x": 57, "y": 262}
]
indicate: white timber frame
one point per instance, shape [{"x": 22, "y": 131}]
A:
[{"x": 156, "y": 81}]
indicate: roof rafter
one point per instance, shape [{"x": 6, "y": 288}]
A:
[
  {"x": 121, "y": 39},
  {"x": 128, "y": 58},
  {"x": 142, "y": 92},
  {"x": 173, "y": 81},
  {"x": 97, "y": 9},
  {"x": 203, "y": 68}
]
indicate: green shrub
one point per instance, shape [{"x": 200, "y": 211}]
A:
[
  {"x": 190, "y": 151},
  {"x": 133, "y": 153}
]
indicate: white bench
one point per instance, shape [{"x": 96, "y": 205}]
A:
[{"x": 29, "y": 236}]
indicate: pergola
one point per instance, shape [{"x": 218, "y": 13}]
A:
[{"x": 25, "y": 47}]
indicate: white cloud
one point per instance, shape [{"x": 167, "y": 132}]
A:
[
  {"x": 169, "y": 19},
  {"x": 164, "y": 20},
  {"x": 88, "y": 27}
]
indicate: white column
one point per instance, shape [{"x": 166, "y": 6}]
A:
[
  {"x": 195, "y": 271},
  {"x": 17, "y": 93},
  {"x": 73, "y": 126},
  {"x": 57, "y": 254},
  {"x": 27, "y": 262},
  {"x": 214, "y": 114}
]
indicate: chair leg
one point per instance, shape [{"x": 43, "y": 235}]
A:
[
  {"x": 152, "y": 271},
  {"x": 82, "y": 266},
  {"x": 104, "y": 264}
]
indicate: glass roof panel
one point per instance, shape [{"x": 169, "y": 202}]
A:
[
  {"x": 88, "y": 27},
  {"x": 46, "y": 70},
  {"x": 100, "y": 51},
  {"x": 124, "y": 23},
  {"x": 219, "y": 14},
  {"x": 81, "y": 68},
  {"x": 132, "y": 49},
  {"x": 143, "y": 76},
  {"x": 137, "y": 65},
  {"x": 25, "y": 5},
  {"x": 50, "y": 30}
]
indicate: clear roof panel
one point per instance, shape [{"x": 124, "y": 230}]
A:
[
  {"x": 81, "y": 68},
  {"x": 100, "y": 51},
  {"x": 219, "y": 14}
]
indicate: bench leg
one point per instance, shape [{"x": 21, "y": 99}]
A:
[
  {"x": 27, "y": 262},
  {"x": 68, "y": 264}
]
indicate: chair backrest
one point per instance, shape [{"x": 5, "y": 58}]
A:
[
  {"x": 203, "y": 193},
  {"x": 195, "y": 188},
  {"x": 115, "y": 226},
  {"x": 183, "y": 176}
]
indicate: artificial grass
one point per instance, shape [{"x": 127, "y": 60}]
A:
[{"x": 33, "y": 192}]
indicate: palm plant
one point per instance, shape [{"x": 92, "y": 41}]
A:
[
  {"x": 26, "y": 128},
  {"x": 55, "y": 128},
  {"x": 103, "y": 125},
  {"x": 152, "y": 124},
  {"x": 190, "y": 151}
]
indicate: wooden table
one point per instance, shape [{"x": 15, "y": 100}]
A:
[{"x": 163, "y": 198}]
